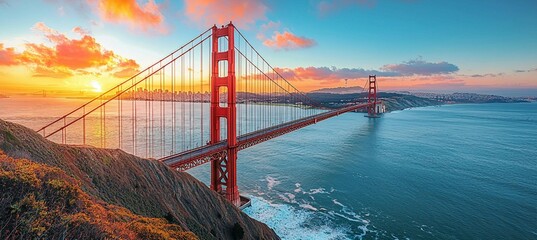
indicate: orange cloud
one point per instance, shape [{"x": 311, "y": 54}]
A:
[
  {"x": 287, "y": 41},
  {"x": 67, "y": 57},
  {"x": 57, "y": 72},
  {"x": 127, "y": 68},
  {"x": 80, "y": 31},
  {"x": 209, "y": 12},
  {"x": 7, "y": 56},
  {"x": 145, "y": 17}
]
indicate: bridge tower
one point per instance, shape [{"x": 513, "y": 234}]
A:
[
  {"x": 224, "y": 168},
  {"x": 373, "y": 110}
]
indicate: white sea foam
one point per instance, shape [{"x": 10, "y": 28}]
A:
[
  {"x": 298, "y": 188},
  {"x": 350, "y": 215},
  {"x": 308, "y": 206},
  {"x": 290, "y": 196},
  {"x": 337, "y": 203},
  {"x": 271, "y": 182},
  {"x": 284, "y": 198},
  {"x": 317, "y": 191},
  {"x": 290, "y": 222}
]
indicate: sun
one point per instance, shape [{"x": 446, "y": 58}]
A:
[{"x": 96, "y": 86}]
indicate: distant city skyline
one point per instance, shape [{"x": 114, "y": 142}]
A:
[{"x": 412, "y": 45}]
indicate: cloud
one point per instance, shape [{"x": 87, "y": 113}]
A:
[
  {"x": 7, "y": 56},
  {"x": 414, "y": 69},
  {"x": 208, "y": 12},
  {"x": 81, "y": 31},
  {"x": 64, "y": 57},
  {"x": 287, "y": 41},
  {"x": 126, "y": 68},
  {"x": 146, "y": 16},
  {"x": 420, "y": 67},
  {"x": 325, "y": 7},
  {"x": 142, "y": 15},
  {"x": 328, "y": 73},
  {"x": 57, "y": 72},
  {"x": 527, "y": 70},
  {"x": 487, "y": 75},
  {"x": 270, "y": 26},
  {"x": 70, "y": 53}
]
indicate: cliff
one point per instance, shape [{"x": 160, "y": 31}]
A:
[{"x": 145, "y": 187}]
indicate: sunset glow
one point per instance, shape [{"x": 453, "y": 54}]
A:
[
  {"x": 63, "y": 46},
  {"x": 96, "y": 86}
]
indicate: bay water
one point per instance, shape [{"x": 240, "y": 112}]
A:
[{"x": 449, "y": 172}]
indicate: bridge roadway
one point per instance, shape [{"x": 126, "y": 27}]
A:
[{"x": 204, "y": 154}]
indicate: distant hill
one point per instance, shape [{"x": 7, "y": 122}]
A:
[
  {"x": 393, "y": 101},
  {"x": 339, "y": 90}
]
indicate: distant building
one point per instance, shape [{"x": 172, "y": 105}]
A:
[{"x": 380, "y": 107}]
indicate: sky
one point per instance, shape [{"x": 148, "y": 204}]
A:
[{"x": 411, "y": 45}]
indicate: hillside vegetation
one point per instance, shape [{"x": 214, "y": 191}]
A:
[
  {"x": 144, "y": 187},
  {"x": 40, "y": 201},
  {"x": 393, "y": 101}
]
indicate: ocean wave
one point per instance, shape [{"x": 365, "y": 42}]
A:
[{"x": 290, "y": 222}]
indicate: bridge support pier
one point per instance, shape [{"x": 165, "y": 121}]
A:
[{"x": 224, "y": 168}]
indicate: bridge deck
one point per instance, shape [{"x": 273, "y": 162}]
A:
[{"x": 201, "y": 155}]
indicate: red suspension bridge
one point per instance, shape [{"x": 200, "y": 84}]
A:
[{"x": 204, "y": 102}]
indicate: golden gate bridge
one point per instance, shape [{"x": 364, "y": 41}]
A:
[{"x": 204, "y": 102}]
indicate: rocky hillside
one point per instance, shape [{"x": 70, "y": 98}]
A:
[{"x": 145, "y": 187}]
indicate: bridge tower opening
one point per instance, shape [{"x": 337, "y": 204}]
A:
[{"x": 224, "y": 167}]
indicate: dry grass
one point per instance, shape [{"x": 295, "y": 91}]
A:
[{"x": 44, "y": 202}]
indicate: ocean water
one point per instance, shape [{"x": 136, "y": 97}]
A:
[{"x": 448, "y": 172}]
